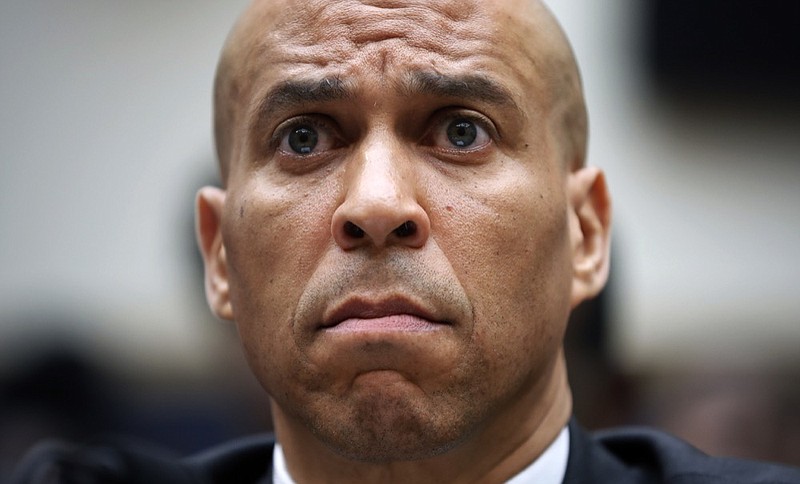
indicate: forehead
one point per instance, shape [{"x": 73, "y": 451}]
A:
[
  {"x": 386, "y": 39},
  {"x": 342, "y": 30}
]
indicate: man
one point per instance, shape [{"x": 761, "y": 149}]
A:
[
  {"x": 406, "y": 222},
  {"x": 405, "y": 226}
]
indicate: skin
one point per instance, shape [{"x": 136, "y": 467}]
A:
[{"x": 449, "y": 364}]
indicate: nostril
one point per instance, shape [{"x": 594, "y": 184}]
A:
[
  {"x": 353, "y": 230},
  {"x": 407, "y": 229}
]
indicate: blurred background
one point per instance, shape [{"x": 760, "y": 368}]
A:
[{"x": 105, "y": 135}]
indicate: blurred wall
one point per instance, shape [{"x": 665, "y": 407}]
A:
[
  {"x": 706, "y": 199},
  {"x": 105, "y": 133}
]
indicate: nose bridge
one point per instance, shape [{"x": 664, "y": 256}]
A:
[
  {"x": 381, "y": 204},
  {"x": 379, "y": 177}
]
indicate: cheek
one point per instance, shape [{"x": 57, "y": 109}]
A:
[
  {"x": 274, "y": 237},
  {"x": 509, "y": 245}
]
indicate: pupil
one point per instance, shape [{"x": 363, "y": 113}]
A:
[
  {"x": 303, "y": 140},
  {"x": 462, "y": 133}
]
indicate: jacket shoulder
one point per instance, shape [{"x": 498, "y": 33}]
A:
[
  {"x": 245, "y": 460},
  {"x": 660, "y": 457}
]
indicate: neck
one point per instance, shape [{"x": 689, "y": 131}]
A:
[{"x": 503, "y": 447}]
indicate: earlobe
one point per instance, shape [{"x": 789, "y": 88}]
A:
[
  {"x": 590, "y": 232},
  {"x": 208, "y": 224}
]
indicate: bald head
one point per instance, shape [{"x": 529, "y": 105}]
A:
[{"x": 524, "y": 26}]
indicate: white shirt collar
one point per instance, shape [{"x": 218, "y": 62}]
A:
[
  {"x": 280, "y": 474},
  {"x": 549, "y": 468}
]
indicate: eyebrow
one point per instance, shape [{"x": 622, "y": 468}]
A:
[
  {"x": 465, "y": 86},
  {"x": 293, "y": 93},
  {"x": 304, "y": 91}
]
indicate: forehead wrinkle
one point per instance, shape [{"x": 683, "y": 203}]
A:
[{"x": 343, "y": 29}]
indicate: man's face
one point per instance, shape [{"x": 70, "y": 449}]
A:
[{"x": 395, "y": 229}]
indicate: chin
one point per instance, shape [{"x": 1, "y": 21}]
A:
[{"x": 384, "y": 428}]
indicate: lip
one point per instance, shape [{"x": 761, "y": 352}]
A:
[{"x": 393, "y": 314}]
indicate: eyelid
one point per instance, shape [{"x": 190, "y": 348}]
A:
[
  {"x": 445, "y": 116},
  {"x": 480, "y": 119},
  {"x": 319, "y": 121}
]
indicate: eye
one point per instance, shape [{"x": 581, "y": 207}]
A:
[
  {"x": 302, "y": 140},
  {"x": 461, "y": 132},
  {"x": 306, "y": 136}
]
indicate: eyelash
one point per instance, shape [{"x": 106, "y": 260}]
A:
[
  {"x": 441, "y": 122},
  {"x": 319, "y": 122},
  {"x": 437, "y": 127}
]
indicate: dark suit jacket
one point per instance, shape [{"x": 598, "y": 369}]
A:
[
  {"x": 621, "y": 456},
  {"x": 640, "y": 455}
]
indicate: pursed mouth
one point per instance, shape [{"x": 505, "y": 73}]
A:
[
  {"x": 403, "y": 323},
  {"x": 396, "y": 314}
]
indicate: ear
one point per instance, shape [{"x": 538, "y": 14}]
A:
[
  {"x": 208, "y": 221},
  {"x": 590, "y": 232}
]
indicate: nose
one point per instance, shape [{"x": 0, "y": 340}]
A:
[{"x": 381, "y": 205}]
